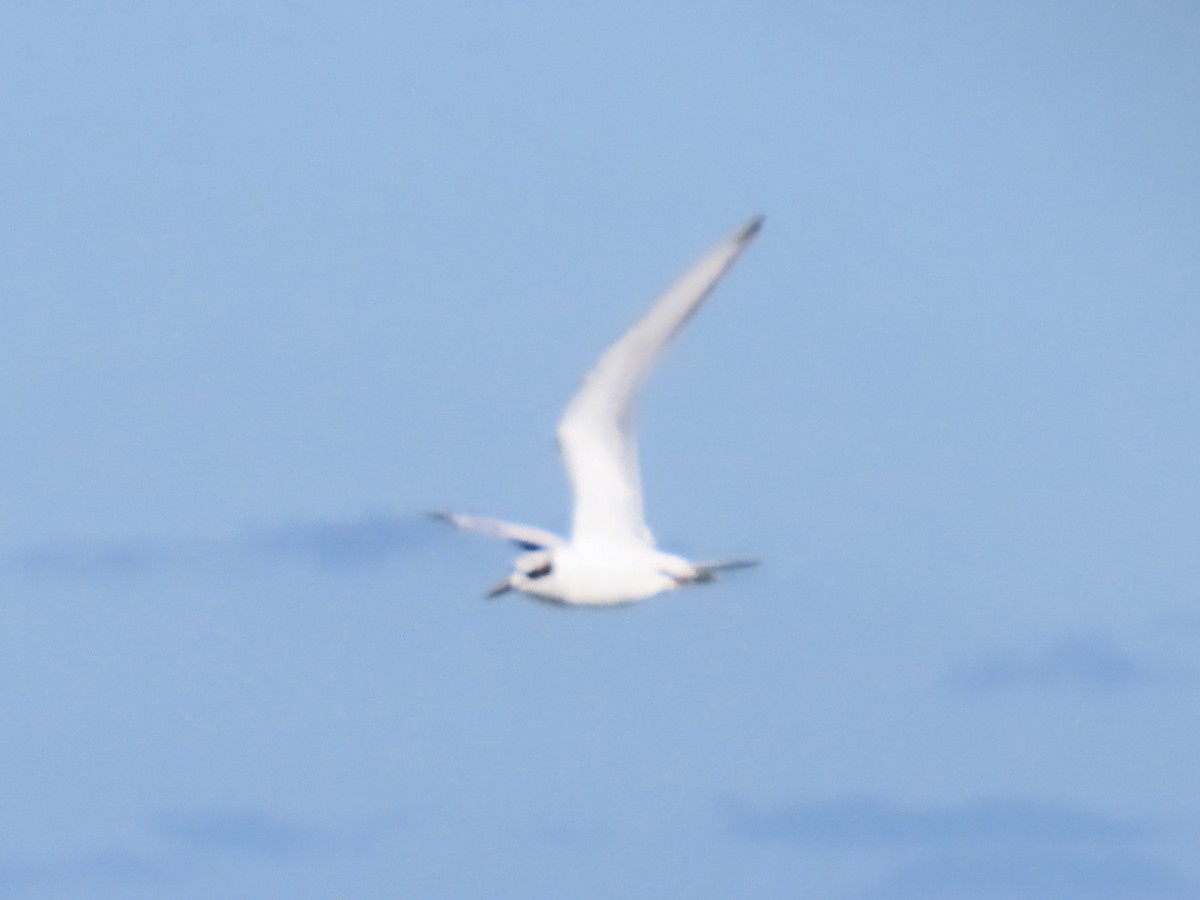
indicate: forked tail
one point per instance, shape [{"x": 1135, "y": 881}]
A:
[{"x": 708, "y": 571}]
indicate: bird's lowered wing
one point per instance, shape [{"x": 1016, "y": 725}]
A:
[
  {"x": 524, "y": 536},
  {"x": 596, "y": 435}
]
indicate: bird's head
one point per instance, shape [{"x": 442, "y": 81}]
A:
[{"x": 528, "y": 568}]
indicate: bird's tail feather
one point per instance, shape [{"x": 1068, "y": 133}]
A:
[{"x": 708, "y": 571}]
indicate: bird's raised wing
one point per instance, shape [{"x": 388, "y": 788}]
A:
[
  {"x": 524, "y": 536},
  {"x": 596, "y": 434}
]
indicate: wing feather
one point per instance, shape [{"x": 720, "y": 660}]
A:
[
  {"x": 596, "y": 433},
  {"x": 524, "y": 536}
]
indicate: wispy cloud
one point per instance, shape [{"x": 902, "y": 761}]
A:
[
  {"x": 990, "y": 848},
  {"x": 367, "y": 541},
  {"x": 108, "y": 866},
  {"x": 89, "y": 560},
  {"x": 1085, "y": 662},
  {"x": 1033, "y": 874},
  {"x": 240, "y": 831},
  {"x": 864, "y": 821},
  {"x": 180, "y": 842},
  {"x": 329, "y": 544},
  {"x": 256, "y": 833}
]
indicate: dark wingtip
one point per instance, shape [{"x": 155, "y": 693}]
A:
[{"x": 750, "y": 229}]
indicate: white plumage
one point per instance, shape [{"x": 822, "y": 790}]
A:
[{"x": 611, "y": 557}]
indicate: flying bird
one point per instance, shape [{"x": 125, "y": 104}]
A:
[{"x": 611, "y": 557}]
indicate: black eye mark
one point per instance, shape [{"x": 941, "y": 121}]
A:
[{"x": 540, "y": 572}]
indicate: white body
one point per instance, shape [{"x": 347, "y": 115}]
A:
[
  {"x": 596, "y": 575},
  {"x": 611, "y": 557}
]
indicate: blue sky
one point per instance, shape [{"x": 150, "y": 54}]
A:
[{"x": 280, "y": 276}]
